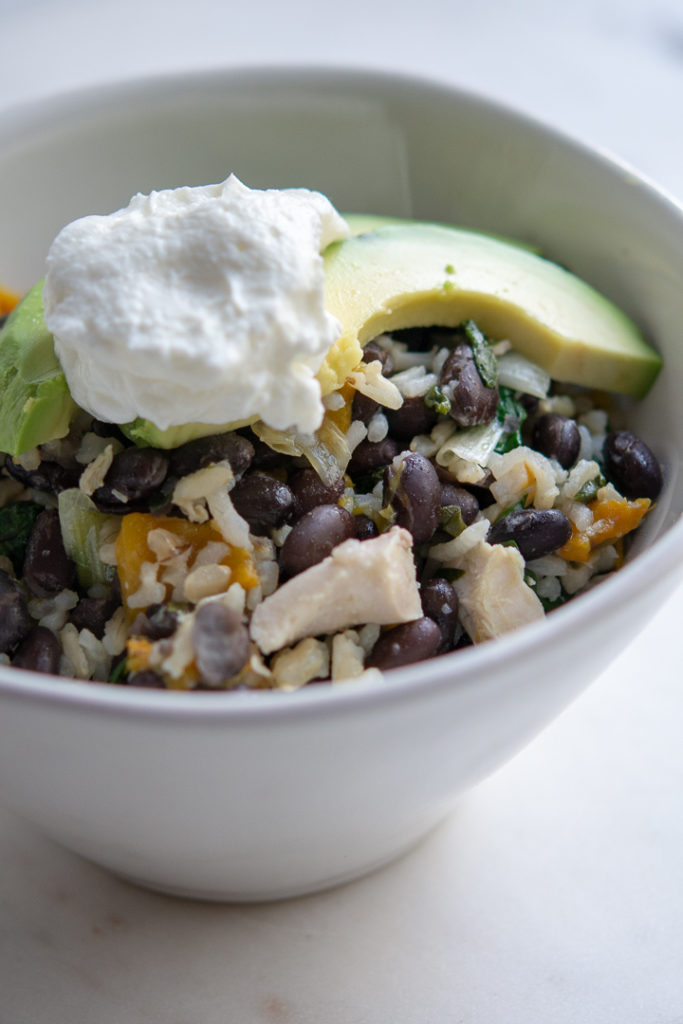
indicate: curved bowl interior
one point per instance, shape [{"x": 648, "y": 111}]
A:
[{"x": 262, "y": 795}]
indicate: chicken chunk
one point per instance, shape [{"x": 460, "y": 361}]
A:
[
  {"x": 360, "y": 581},
  {"x": 493, "y": 595}
]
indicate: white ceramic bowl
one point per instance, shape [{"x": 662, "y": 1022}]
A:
[{"x": 253, "y": 796}]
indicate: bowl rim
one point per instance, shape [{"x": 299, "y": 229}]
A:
[{"x": 663, "y": 557}]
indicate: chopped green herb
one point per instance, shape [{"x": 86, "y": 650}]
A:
[
  {"x": 549, "y": 604},
  {"x": 517, "y": 507},
  {"x": 451, "y": 520},
  {"x": 364, "y": 483},
  {"x": 447, "y": 286},
  {"x": 436, "y": 399},
  {"x": 589, "y": 491},
  {"x": 484, "y": 356},
  {"x": 511, "y": 415},
  {"x": 118, "y": 672},
  {"x": 450, "y": 574},
  {"x": 16, "y": 525},
  {"x": 449, "y": 268}
]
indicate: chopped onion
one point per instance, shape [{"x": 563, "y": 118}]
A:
[{"x": 519, "y": 373}]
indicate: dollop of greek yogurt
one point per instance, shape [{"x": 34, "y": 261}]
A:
[{"x": 197, "y": 304}]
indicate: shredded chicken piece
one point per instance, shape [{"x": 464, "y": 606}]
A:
[
  {"x": 361, "y": 581},
  {"x": 494, "y": 598}
]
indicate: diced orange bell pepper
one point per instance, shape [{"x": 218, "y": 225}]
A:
[
  {"x": 132, "y": 550},
  {"x": 342, "y": 417},
  {"x": 612, "y": 519},
  {"x": 8, "y": 300}
]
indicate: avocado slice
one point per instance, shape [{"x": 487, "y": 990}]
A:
[
  {"x": 411, "y": 274},
  {"x": 144, "y": 433},
  {"x": 36, "y": 404}
]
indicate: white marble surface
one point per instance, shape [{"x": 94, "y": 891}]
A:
[{"x": 554, "y": 892}]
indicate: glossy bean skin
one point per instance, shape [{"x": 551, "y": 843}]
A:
[
  {"x": 47, "y": 567},
  {"x": 363, "y": 407},
  {"x": 454, "y": 494},
  {"x": 472, "y": 402},
  {"x": 309, "y": 491},
  {"x": 371, "y": 455},
  {"x": 413, "y": 417},
  {"x": 631, "y": 466},
  {"x": 93, "y": 613},
  {"x": 536, "y": 532},
  {"x": 134, "y": 477},
  {"x": 51, "y": 477},
  {"x": 414, "y": 490},
  {"x": 440, "y": 603},
  {"x": 373, "y": 353},
  {"x": 263, "y": 500},
  {"x": 314, "y": 536},
  {"x": 221, "y": 643},
  {"x": 15, "y": 621},
  {"x": 40, "y": 651},
  {"x": 147, "y": 678},
  {"x": 422, "y": 339},
  {"x": 156, "y": 623},
  {"x": 405, "y": 644},
  {"x": 557, "y": 437},
  {"x": 238, "y": 451},
  {"x": 364, "y": 528}
]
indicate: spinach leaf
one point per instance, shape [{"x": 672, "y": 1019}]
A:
[
  {"x": 484, "y": 356},
  {"x": 511, "y": 415},
  {"x": 16, "y": 524}
]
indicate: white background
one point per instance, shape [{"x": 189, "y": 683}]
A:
[{"x": 554, "y": 893}]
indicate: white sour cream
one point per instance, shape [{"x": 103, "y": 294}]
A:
[{"x": 196, "y": 305}]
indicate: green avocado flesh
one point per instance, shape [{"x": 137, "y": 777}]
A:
[
  {"x": 36, "y": 406},
  {"x": 144, "y": 433},
  {"x": 389, "y": 274},
  {"x": 398, "y": 275}
]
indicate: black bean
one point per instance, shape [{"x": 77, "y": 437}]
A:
[
  {"x": 47, "y": 567},
  {"x": 405, "y": 644},
  {"x": 265, "y": 457},
  {"x": 364, "y": 528},
  {"x": 15, "y": 621},
  {"x": 422, "y": 339},
  {"x": 221, "y": 643},
  {"x": 371, "y": 455},
  {"x": 51, "y": 477},
  {"x": 472, "y": 402},
  {"x": 204, "y": 451},
  {"x": 440, "y": 603},
  {"x": 103, "y": 429},
  {"x": 40, "y": 651},
  {"x": 536, "y": 532},
  {"x": 363, "y": 407},
  {"x": 93, "y": 613},
  {"x": 148, "y": 678},
  {"x": 414, "y": 491},
  {"x": 413, "y": 417},
  {"x": 309, "y": 490},
  {"x": 373, "y": 352},
  {"x": 631, "y": 466},
  {"x": 557, "y": 437},
  {"x": 263, "y": 500},
  {"x": 156, "y": 623},
  {"x": 134, "y": 477},
  {"x": 453, "y": 494},
  {"x": 314, "y": 536}
]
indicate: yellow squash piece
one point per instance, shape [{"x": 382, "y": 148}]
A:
[{"x": 132, "y": 550}]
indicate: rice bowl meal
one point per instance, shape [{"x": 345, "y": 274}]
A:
[{"x": 252, "y": 444}]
